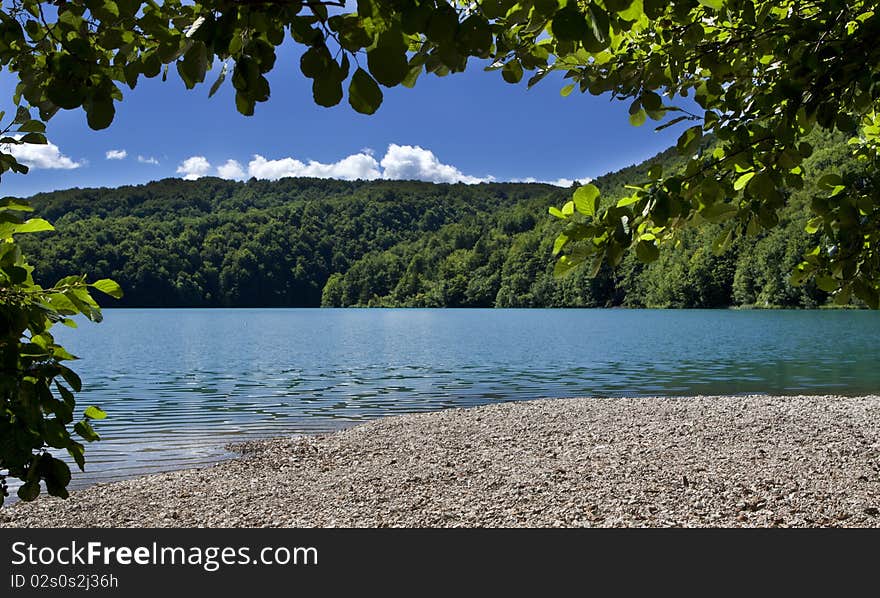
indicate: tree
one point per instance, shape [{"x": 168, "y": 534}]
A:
[
  {"x": 36, "y": 388},
  {"x": 763, "y": 74}
]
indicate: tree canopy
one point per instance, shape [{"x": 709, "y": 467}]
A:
[{"x": 762, "y": 75}]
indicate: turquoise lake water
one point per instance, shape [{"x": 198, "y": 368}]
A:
[{"x": 180, "y": 384}]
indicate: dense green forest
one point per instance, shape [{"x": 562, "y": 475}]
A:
[{"x": 311, "y": 242}]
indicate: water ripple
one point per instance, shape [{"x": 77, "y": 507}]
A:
[{"x": 180, "y": 384}]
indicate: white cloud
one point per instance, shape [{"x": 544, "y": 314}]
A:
[
  {"x": 231, "y": 170},
  {"x": 400, "y": 162},
  {"x": 356, "y": 166},
  {"x": 119, "y": 154},
  {"x": 148, "y": 160},
  {"x": 47, "y": 156},
  {"x": 560, "y": 182},
  {"x": 414, "y": 162},
  {"x": 194, "y": 167}
]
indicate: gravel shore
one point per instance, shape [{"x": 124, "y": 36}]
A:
[{"x": 696, "y": 461}]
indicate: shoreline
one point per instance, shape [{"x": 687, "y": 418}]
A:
[
  {"x": 743, "y": 307},
  {"x": 725, "y": 461}
]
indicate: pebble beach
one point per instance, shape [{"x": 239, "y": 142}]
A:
[{"x": 716, "y": 461}]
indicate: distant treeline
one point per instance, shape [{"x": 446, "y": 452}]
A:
[{"x": 311, "y": 242}]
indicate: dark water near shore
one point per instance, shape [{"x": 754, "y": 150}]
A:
[{"x": 179, "y": 384}]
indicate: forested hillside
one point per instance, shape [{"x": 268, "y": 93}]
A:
[{"x": 311, "y": 242}]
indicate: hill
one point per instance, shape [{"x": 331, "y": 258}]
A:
[{"x": 311, "y": 242}]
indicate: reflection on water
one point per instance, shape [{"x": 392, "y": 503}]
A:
[{"x": 179, "y": 384}]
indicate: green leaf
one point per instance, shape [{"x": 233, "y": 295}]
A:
[
  {"x": 57, "y": 475},
  {"x": 194, "y": 65},
  {"x": 597, "y": 37},
  {"x": 62, "y": 354},
  {"x": 843, "y": 296},
  {"x": 713, "y": 4},
  {"x": 474, "y": 35},
  {"x": 16, "y": 274},
  {"x": 29, "y": 491},
  {"x": 54, "y": 432},
  {"x": 799, "y": 275},
  {"x": 634, "y": 12},
  {"x": 93, "y": 412},
  {"x": 412, "y": 76},
  {"x": 657, "y": 114},
  {"x": 245, "y": 104},
  {"x": 220, "y": 79},
  {"x": 614, "y": 254},
  {"x": 762, "y": 185},
  {"x": 86, "y": 431},
  {"x": 364, "y": 94},
  {"x": 100, "y": 112},
  {"x": 388, "y": 65},
  {"x": 554, "y": 211},
  {"x": 32, "y": 126},
  {"x": 15, "y": 205},
  {"x": 111, "y": 8},
  {"x": 33, "y": 225},
  {"x": 77, "y": 453},
  {"x": 560, "y": 242},
  {"x": 71, "y": 378},
  {"x": 66, "y": 395},
  {"x": 742, "y": 181},
  {"x": 64, "y": 95},
  {"x": 34, "y": 138},
  {"x": 586, "y": 199},
  {"x": 813, "y": 225},
  {"x": 829, "y": 181},
  {"x": 313, "y": 62},
  {"x": 442, "y": 23},
  {"x": 826, "y": 283},
  {"x": 638, "y": 119},
  {"x": 647, "y": 251},
  {"x": 867, "y": 293},
  {"x": 651, "y": 101},
  {"x": 672, "y": 122},
  {"x": 512, "y": 71},
  {"x": 722, "y": 242},
  {"x": 109, "y": 287},
  {"x": 719, "y": 212},
  {"x": 689, "y": 141},
  {"x": 566, "y": 264},
  {"x": 569, "y": 24},
  {"x": 327, "y": 88}
]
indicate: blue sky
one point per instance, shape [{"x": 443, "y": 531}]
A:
[{"x": 469, "y": 126}]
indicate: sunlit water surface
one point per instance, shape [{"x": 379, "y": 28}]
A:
[{"x": 180, "y": 384}]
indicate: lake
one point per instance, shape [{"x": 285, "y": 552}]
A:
[{"x": 180, "y": 384}]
